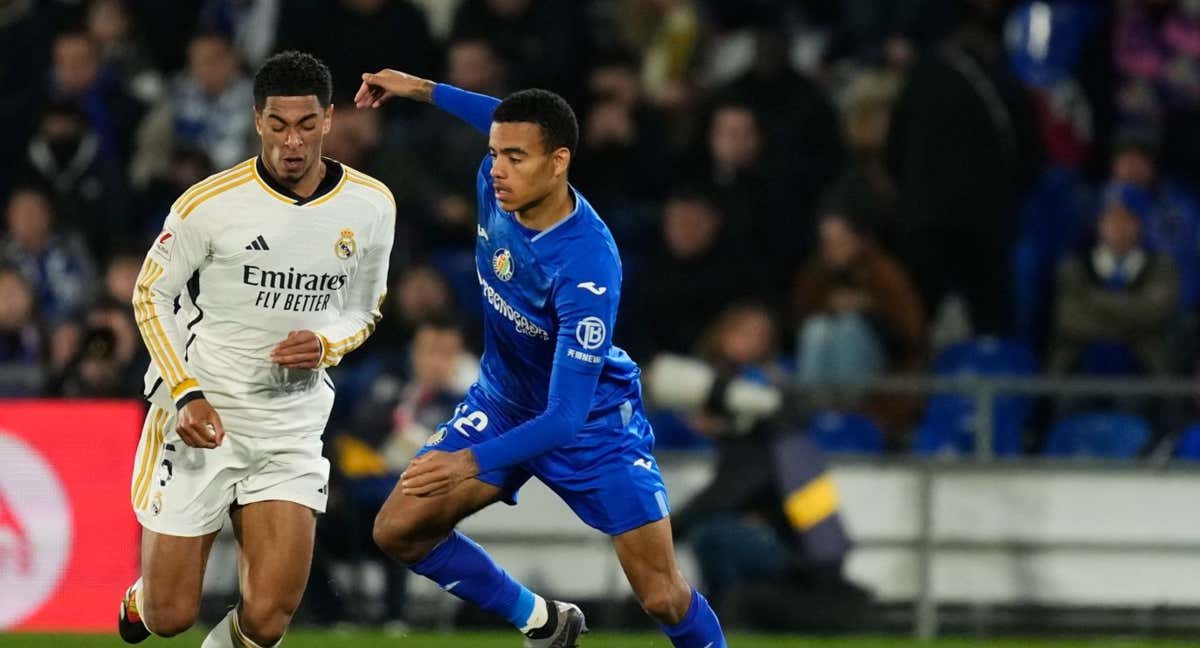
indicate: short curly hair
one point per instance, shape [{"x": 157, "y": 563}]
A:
[
  {"x": 293, "y": 74},
  {"x": 549, "y": 111}
]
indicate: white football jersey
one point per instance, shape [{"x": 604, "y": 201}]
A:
[{"x": 249, "y": 262}]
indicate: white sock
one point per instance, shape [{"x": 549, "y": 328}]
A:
[
  {"x": 538, "y": 617},
  {"x": 219, "y": 637},
  {"x": 138, "y": 599},
  {"x": 223, "y": 634}
]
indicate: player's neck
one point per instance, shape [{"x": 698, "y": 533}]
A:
[
  {"x": 554, "y": 208},
  {"x": 307, "y": 184}
]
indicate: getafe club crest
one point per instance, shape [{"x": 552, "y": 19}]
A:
[
  {"x": 345, "y": 246},
  {"x": 502, "y": 264}
]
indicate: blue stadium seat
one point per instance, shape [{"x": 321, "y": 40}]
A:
[
  {"x": 947, "y": 427},
  {"x": 1189, "y": 444},
  {"x": 1101, "y": 435},
  {"x": 847, "y": 432}
]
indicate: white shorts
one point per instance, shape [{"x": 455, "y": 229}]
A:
[{"x": 184, "y": 491}]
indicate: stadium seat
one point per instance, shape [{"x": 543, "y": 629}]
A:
[
  {"x": 1101, "y": 435},
  {"x": 1189, "y": 444},
  {"x": 847, "y": 432},
  {"x": 948, "y": 424}
]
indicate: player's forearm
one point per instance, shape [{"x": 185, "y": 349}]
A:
[
  {"x": 473, "y": 108},
  {"x": 164, "y": 342},
  {"x": 345, "y": 335},
  {"x": 553, "y": 428}
]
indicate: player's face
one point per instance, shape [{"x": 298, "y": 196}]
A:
[
  {"x": 292, "y": 129},
  {"x": 524, "y": 173}
]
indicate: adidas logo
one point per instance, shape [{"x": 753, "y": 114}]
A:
[{"x": 259, "y": 243}]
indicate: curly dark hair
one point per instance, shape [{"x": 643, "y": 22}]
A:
[
  {"x": 293, "y": 74},
  {"x": 549, "y": 111}
]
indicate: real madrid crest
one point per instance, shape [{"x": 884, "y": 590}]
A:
[
  {"x": 502, "y": 264},
  {"x": 345, "y": 246}
]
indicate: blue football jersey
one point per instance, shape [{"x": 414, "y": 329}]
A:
[{"x": 545, "y": 291}]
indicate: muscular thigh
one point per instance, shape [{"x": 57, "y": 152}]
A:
[
  {"x": 647, "y": 555},
  {"x": 275, "y": 539},
  {"x": 173, "y": 567},
  {"x": 431, "y": 518}
]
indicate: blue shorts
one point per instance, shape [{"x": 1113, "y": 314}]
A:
[{"x": 607, "y": 474}]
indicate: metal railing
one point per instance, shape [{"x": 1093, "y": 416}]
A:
[{"x": 983, "y": 390}]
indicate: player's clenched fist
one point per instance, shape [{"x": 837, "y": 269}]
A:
[
  {"x": 199, "y": 425},
  {"x": 299, "y": 350},
  {"x": 383, "y": 85}
]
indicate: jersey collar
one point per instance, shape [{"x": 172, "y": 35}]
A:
[{"x": 335, "y": 176}]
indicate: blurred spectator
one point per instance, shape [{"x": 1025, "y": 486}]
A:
[
  {"x": 866, "y": 186},
  {"x": 687, "y": 281},
  {"x": 962, "y": 147},
  {"x": 53, "y": 262},
  {"x": 892, "y": 33},
  {"x": 441, "y": 154},
  {"x": 251, "y": 25},
  {"x": 208, "y": 106},
  {"x": 21, "y": 354},
  {"x": 859, "y": 314},
  {"x": 24, "y": 36},
  {"x": 759, "y": 214},
  {"x": 189, "y": 165},
  {"x": 88, "y": 190},
  {"x": 1172, "y": 224},
  {"x": 77, "y": 76},
  {"x": 624, "y": 157},
  {"x": 1156, "y": 52},
  {"x": 122, "y": 57},
  {"x": 1114, "y": 300},
  {"x": 354, "y": 36},
  {"x": 667, "y": 32},
  {"x": 543, "y": 41},
  {"x": 751, "y": 527},
  {"x": 419, "y": 294},
  {"x": 110, "y": 360},
  {"x": 799, "y": 130},
  {"x": 120, "y": 278},
  {"x": 394, "y": 420}
]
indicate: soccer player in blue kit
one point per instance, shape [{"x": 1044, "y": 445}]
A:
[{"x": 555, "y": 398}]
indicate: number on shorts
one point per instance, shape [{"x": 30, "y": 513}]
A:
[{"x": 476, "y": 420}]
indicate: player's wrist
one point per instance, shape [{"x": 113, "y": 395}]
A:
[{"x": 187, "y": 398}]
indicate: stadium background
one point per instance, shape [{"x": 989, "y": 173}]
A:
[{"x": 894, "y": 228}]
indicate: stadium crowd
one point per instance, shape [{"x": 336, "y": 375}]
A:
[{"x": 801, "y": 190}]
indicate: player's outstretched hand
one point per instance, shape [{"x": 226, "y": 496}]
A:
[
  {"x": 199, "y": 425},
  {"x": 383, "y": 85},
  {"x": 299, "y": 350},
  {"x": 437, "y": 473}
]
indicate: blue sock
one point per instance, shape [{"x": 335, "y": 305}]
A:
[
  {"x": 699, "y": 627},
  {"x": 460, "y": 566}
]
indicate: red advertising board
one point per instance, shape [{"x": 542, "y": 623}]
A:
[{"x": 68, "y": 538}]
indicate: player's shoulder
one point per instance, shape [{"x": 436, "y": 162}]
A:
[
  {"x": 213, "y": 190},
  {"x": 371, "y": 189},
  {"x": 589, "y": 250}
]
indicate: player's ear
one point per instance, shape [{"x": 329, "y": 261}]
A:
[
  {"x": 258, "y": 121},
  {"x": 562, "y": 160},
  {"x": 327, "y": 122}
]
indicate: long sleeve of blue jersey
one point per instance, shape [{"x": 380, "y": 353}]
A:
[
  {"x": 473, "y": 108},
  {"x": 586, "y": 294}
]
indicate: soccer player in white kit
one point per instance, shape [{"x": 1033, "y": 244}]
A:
[{"x": 279, "y": 265}]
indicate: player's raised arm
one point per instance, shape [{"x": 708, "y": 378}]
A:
[
  {"x": 176, "y": 254},
  {"x": 473, "y": 108}
]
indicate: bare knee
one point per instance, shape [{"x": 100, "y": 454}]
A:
[
  {"x": 167, "y": 618},
  {"x": 265, "y": 622},
  {"x": 665, "y": 597},
  {"x": 404, "y": 538}
]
